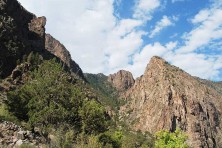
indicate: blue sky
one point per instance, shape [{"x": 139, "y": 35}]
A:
[{"x": 104, "y": 36}]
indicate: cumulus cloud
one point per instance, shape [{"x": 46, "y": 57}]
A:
[
  {"x": 141, "y": 59},
  {"x": 208, "y": 24},
  {"x": 192, "y": 55},
  {"x": 171, "y": 45},
  {"x": 122, "y": 41},
  {"x": 100, "y": 42},
  {"x": 96, "y": 39},
  {"x": 163, "y": 23},
  {"x": 197, "y": 64},
  {"x": 201, "y": 16},
  {"x": 144, "y": 8}
]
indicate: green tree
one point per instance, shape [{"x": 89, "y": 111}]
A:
[
  {"x": 166, "y": 139},
  {"x": 48, "y": 98},
  {"x": 53, "y": 97},
  {"x": 93, "y": 117}
]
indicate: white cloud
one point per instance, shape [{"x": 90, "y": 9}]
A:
[
  {"x": 192, "y": 57},
  {"x": 163, "y": 23},
  {"x": 144, "y": 8},
  {"x": 100, "y": 42},
  {"x": 201, "y": 16},
  {"x": 197, "y": 64},
  {"x": 97, "y": 40},
  {"x": 171, "y": 45},
  {"x": 140, "y": 60},
  {"x": 119, "y": 48},
  {"x": 208, "y": 27},
  {"x": 81, "y": 25}
]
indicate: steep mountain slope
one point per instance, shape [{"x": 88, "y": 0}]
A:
[
  {"x": 109, "y": 94},
  {"x": 59, "y": 50},
  {"x": 46, "y": 95},
  {"x": 122, "y": 80},
  {"x": 31, "y": 74},
  {"x": 21, "y": 33},
  {"x": 42, "y": 90},
  {"x": 166, "y": 97}
]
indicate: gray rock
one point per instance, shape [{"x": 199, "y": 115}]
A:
[
  {"x": 20, "y": 135},
  {"x": 19, "y": 142}
]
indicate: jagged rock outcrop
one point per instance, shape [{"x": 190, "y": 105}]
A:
[
  {"x": 59, "y": 50},
  {"x": 166, "y": 97},
  {"x": 20, "y": 32},
  {"x": 122, "y": 80}
]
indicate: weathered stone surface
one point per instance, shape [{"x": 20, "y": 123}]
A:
[
  {"x": 59, "y": 50},
  {"x": 20, "y": 135},
  {"x": 20, "y": 33},
  {"x": 166, "y": 97},
  {"x": 37, "y": 33},
  {"x": 122, "y": 80},
  {"x": 19, "y": 142},
  {"x": 12, "y": 135}
]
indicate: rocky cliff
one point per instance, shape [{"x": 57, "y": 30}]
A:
[
  {"x": 122, "y": 80},
  {"x": 166, "y": 97},
  {"x": 59, "y": 50},
  {"x": 21, "y": 33}
]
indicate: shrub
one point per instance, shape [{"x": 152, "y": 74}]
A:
[
  {"x": 5, "y": 114},
  {"x": 52, "y": 98},
  {"x": 165, "y": 139},
  {"x": 93, "y": 117}
]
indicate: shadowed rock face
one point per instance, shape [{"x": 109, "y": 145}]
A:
[
  {"x": 166, "y": 97},
  {"x": 20, "y": 33},
  {"x": 59, "y": 50},
  {"x": 122, "y": 80}
]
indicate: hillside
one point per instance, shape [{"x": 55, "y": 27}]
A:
[
  {"x": 56, "y": 48},
  {"x": 166, "y": 97},
  {"x": 109, "y": 93},
  {"x": 45, "y": 100},
  {"x": 22, "y": 33}
]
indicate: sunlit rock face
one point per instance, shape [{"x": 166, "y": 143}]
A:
[
  {"x": 166, "y": 97},
  {"x": 59, "y": 50},
  {"x": 122, "y": 80}
]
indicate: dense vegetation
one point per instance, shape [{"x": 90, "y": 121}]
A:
[
  {"x": 61, "y": 104},
  {"x": 51, "y": 97},
  {"x": 165, "y": 139},
  {"x": 107, "y": 92}
]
